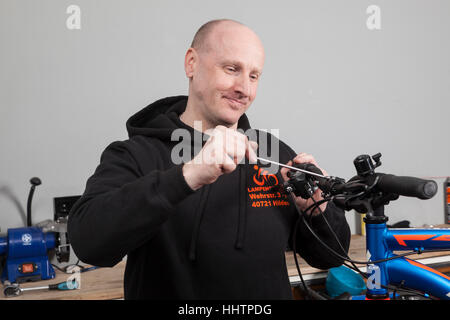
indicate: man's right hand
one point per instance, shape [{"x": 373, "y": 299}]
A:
[{"x": 221, "y": 154}]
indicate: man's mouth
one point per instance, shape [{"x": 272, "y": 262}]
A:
[{"x": 235, "y": 102}]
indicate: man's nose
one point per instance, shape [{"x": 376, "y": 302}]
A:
[{"x": 242, "y": 85}]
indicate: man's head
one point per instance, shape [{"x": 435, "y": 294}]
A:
[{"x": 223, "y": 65}]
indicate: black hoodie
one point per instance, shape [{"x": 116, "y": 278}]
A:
[{"x": 226, "y": 240}]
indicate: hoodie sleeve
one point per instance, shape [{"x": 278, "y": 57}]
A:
[
  {"x": 121, "y": 209},
  {"x": 310, "y": 249}
]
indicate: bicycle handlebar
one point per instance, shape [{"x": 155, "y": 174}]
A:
[
  {"x": 407, "y": 186},
  {"x": 367, "y": 184},
  {"x": 386, "y": 183}
]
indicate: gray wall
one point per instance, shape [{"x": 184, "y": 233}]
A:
[{"x": 333, "y": 87}]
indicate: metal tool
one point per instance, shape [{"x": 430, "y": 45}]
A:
[
  {"x": 294, "y": 168},
  {"x": 14, "y": 290}
]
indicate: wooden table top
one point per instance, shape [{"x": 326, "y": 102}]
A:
[{"x": 98, "y": 284}]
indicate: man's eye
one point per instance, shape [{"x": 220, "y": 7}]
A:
[
  {"x": 230, "y": 69},
  {"x": 254, "y": 77}
]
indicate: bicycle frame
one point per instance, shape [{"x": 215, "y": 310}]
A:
[{"x": 380, "y": 244}]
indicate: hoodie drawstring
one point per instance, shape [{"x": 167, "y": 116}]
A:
[
  {"x": 242, "y": 207},
  {"x": 198, "y": 220},
  {"x": 240, "y": 236}
]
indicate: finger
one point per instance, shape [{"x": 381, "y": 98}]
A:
[
  {"x": 302, "y": 156},
  {"x": 305, "y": 158},
  {"x": 229, "y": 141},
  {"x": 238, "y": 146},
  {"x": 228, "y": 164},
  {"x": 236, "y": 149},
  {"x": 252, "y": 146},
  {"x": 220, "y": 128},
  {"x": 302, "y": 204}
]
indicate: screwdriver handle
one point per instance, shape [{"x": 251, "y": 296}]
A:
[{"x": 64, "y": 285}]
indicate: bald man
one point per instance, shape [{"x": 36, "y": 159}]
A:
[{"x": 212, "y": 226}]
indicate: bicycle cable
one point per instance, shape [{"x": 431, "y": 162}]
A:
[
  {"x": 294, "y": 249},
  {"x": 303, "y": 212},
  {"x": 353, "y": 265}
]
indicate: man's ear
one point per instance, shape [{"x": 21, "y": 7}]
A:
[{"x": 190, "y": 61}]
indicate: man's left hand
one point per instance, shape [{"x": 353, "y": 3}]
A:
[{"x": 305, "y": 203}]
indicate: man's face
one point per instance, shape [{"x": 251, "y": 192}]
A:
[{"x": 226, "y": 75}]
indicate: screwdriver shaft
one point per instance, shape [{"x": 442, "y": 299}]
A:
[{"x": 292, "y": 168}]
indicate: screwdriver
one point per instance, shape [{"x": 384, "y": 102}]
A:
[{"x": 293, "y": 168}]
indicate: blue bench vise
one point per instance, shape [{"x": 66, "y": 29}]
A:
[{"x": 27, "y": 249}]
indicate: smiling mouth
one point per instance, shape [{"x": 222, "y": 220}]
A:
[{"x": 235, "y": 102}]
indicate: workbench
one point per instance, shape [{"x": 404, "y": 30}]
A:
[
  {"x": 98, "y": 284},
  {"x": 107, "y": 283}
]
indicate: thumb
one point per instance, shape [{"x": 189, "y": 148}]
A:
[{"x": 253, "y": 144}]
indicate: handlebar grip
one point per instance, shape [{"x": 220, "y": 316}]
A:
[{"x": 407, "y": 186}]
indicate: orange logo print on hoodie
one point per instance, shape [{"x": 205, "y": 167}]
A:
[{"x": 263, "y": 193}]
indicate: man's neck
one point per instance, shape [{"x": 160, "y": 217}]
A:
[{"x": 193, "y": 114}]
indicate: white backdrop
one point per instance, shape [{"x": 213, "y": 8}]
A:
[{"x": 331, "y": 85}]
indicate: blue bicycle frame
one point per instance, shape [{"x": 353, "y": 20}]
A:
[{"x": 382, "y": 241}]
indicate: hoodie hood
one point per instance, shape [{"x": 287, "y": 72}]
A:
[
  {"x": 159, "y": 120},
  {"x": 162, "y": 117}
]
